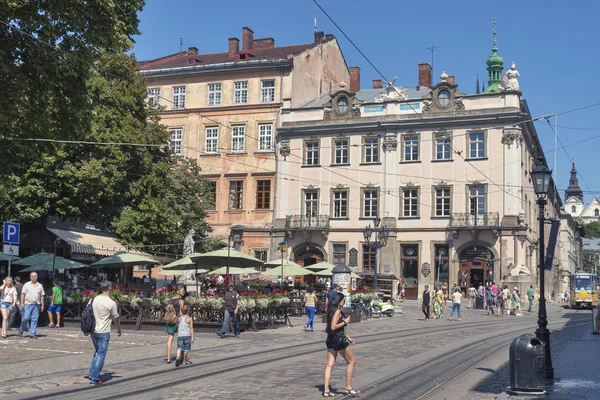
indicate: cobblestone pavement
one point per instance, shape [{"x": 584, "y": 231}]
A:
[{"x": 60, "y": 357}]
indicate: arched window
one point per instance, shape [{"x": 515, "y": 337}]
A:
[
  {"x": 573, "y": 209},
  {"x": 597, "y": 212}
]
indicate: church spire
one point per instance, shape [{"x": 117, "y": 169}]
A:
[
  {"x": 477, "y": 86},
  {"x": 574, "y": 190},
  {"x": 495, "y": 66}
]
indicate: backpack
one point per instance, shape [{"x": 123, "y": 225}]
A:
[
  {"x": 170, "y": 316},
  {"x": 88, "y": 321}
]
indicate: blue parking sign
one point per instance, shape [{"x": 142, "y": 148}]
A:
[{"x": 12, "y": 232}]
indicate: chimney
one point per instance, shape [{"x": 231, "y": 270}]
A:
[
  {"x": 319, "y": 37},
  {"x": 265, "y": 43},
  {"x": 247, "y": 39},
  {"x": 425, "y": 75},
  {"x": 451, "y": 79},
  {"x": 377, "y": 84},
  {"x": 192, "y": 51},
  {"x": 234, "y": 47},
  {"x": 329, "y": 36},
  {"x": 354, "y": 79}
]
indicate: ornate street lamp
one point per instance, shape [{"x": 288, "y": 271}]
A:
[
  {"x": 382, "y": 234},
  {"x": 542, "y": 177}
]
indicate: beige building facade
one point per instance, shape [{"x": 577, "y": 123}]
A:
[
  {"x": 449, "y": 173},
  {"x": 222, "y": 110}
]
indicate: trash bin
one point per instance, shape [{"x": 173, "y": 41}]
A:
[
  {"x": 479, "y": 303},
  {"x": 527, "y": 364}
]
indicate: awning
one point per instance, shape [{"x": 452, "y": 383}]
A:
[{"x": 87, "y": 243}]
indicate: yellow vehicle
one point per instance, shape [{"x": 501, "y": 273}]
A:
[{"x": 584, "y": 290}]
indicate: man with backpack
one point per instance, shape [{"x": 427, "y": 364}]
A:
[{"x": 104, "y": 312}]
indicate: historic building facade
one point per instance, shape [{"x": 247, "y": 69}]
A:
[
  {"x": 222, "y": 110},
  {"x": 446, "y": 171},
  {"x": 574, "y": 203}
]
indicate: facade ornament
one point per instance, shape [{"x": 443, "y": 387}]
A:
[
  {"x": 390, "y": 142},
  {"x": 458, "y": 103},
  {"x": 355, "y": 110},
  {"x": 426, "y": 106},
  {"x": 455, "y": 234},
  {"x": 307, "y": 235},
  {"x": 509, "y": 80},
  {"x": 522, "y": 239},
  {"x": 353, "y": 257},
  {"x": 426, "y": 269},
  {"x": 392, "y": 93},
  {"x": 284, "y": 149},
  {"x": 327, "y": 110},
  {"x": 512, "y": 135}
]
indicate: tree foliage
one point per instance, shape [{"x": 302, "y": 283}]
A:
[
  {"x": 589, "y": 258},
  {"x": 74, "y": 83},
  {"x": 592, "y": 229}
]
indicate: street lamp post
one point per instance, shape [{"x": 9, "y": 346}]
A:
[
  {"x": 541, "y": 184},
  {"x": 382, "y": 233},
  {"x": 235, "y": 236}
]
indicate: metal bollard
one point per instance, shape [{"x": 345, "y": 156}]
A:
[
  {"x": 527, "y": 365},
  {"x": 596, "y": 320}
]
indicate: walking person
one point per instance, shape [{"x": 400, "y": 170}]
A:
[
  {"x": 516, "y": 295},
  {"x": 530, "y": 297},
  {"x": 105, "y": 311},
  {"x": 8, "y": 301},
  {"x": 445, "y": 294},
  {"x": 310, "y": 306},
  {"x": 456, "y": 301},
  {"x": 472, "y": 294},
  {"x": 489, "y": 297},
  {"x": 55, "y": 304},
  {"x": 500, "y": 303},
  {"x": 438, "y": 310},
  {"x": 232, "y": 306},
  {"x": 426, "y": 307},
  {"x": 171, "y": 327},
  {"x": 506, "y": 296},
  {"x": 185, "y": 336},
  {"x": 32, "y": 302},
  {"x": 338, "y": 342},
  {"x": 330, "y": 294},
  {"x": 13, "y": 313}
]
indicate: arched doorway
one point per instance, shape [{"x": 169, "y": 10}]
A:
[
  {"x": 308, "y": 254},
  {"x": 476, "y": 267}
]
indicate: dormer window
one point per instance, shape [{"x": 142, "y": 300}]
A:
[
  {"x": 444, "y": 98},
  {"x": 190, "y": 61},
  {"x": 342, "y": 105}
]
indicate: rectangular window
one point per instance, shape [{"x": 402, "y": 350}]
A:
[
  {"x": 240, "y": 92},
  {"x": 311, "y": 152},
  {"x": 267, "y": 91},
  {"x": 370, "y": 203},
  {"x": 212, "y": 139},
  {"x": 178, "y": 97},
  {"x": 442, "y": 147},
  {"x": 154, "y": 96},
  {"x": 410, "y": 266},
  {"x": 311, "y": 203},
  {"x": 265, "y": 137},
  {"x": 442, "y": 202},
  {"x": 441, "y": 272},
  {"x": 369, "y": 258},
  {"x": 238, "y": 138},
  {"x": 340, "y": 151},
  {"x": 339, "y": 254},
  {"x": 261, "y": 255},
  {"x": 176, "y": 140},
  {"x": 263, "y": 195},
  {"x": 340, "y": 204},
  {"x": 371, "y": 150},
  {"x": 477, "y": 200},
  {"x": 236, "y": 195},
  {"x": 214, "y": 94},
  {"x": 477, "y": 145},
  {"x": 212, "y": 195},
  {"x": 411, "y": 147},
  {"x": 410, "y": 202}
]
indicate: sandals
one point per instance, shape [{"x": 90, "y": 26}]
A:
[
  {"x": 352, "y": 392},
  {"x": 328, "y": 394}
]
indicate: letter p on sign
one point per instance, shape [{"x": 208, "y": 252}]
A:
[{"x": 11, "y": 232}]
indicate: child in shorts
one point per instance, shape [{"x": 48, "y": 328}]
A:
[{"x": 185, "y": 336}]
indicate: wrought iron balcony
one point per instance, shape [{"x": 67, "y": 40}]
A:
[
  {"x": 307, "y": 222},
  {"x": 487, "y": 220}
]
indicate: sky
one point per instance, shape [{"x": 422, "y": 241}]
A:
[{"x": 553, "y": 43}]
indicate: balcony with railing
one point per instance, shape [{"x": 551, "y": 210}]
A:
[
  {"x": 307, "y": 222},
  {"x": 488, "y": 220}
]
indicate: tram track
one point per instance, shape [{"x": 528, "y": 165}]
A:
[
  {"x": 155, "y": 379},
  {"x": 421, "y": 381}
]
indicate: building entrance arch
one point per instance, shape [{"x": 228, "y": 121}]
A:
[
  {"x": 476, "y": 266},
  {"x": 307, "y": 254}
]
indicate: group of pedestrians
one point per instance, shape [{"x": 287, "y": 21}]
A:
[{"x": 437, "y": 299}]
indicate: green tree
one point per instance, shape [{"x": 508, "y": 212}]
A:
[
  {"x": 592, "y": 229},
  {"x": 588, "y": 260}
]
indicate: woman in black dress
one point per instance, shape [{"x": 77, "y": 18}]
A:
[{"x": 338, "y": 341}]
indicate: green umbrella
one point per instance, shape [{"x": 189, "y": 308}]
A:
[
  {"x": 184, "y": 263},
  {"x": 178, "y": 271},
  {"x": 290, "y": 270},
  {"x": 321, "y": 266},
  {"x": 277, "y": 263},
  {"x": 233, "y": 271},
  {"x": 6, "y": 257},
  {"x": 123, "y": 259},
  {"x": 218, "y": 258},
  {"x": 327, "y": 272},
  {"x": 60, "y": 264}
]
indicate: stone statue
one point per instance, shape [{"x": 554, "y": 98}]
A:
[
  {"x": 392, "y": 93},
  {"x": 189, "y": 243},
  {"x": 509, "y": 80}
]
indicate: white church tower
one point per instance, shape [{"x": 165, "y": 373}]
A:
[{"x": 574, "y": 195}]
